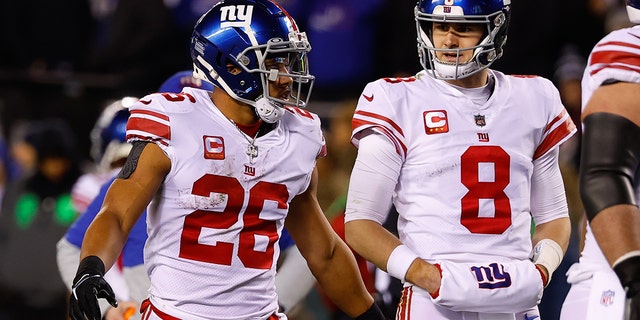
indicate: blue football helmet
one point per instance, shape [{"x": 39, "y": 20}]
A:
[
  {"x": 494, "y": 14},
  {"x": 108, "y": 136},
  {"x": 244, "y": 33},
  {"x": 633, "y": 10}
]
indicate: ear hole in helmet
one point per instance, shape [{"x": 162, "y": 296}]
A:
[{"x": 233, "y": 69}]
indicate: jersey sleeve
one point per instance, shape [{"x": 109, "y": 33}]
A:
[
  {"x": 309, "y": 125},
  {"x": 559, "y": 127},
  {"x": 374, "y": 111},
  {"x": 615, "y": 57},
  {"x": 149, "y": 121}
]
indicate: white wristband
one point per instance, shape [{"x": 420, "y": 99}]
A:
[
  {"x": 547, "y": 253},
  {"x": 399, "y": 261}
]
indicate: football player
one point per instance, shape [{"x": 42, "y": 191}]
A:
[
  {"x": 222, "y": 172},
  {"x": 468, "y": 156}
]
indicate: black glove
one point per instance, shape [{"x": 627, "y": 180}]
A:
[
  {"x": 88, "y": 286},
  {"x": 628, "y": 272}
]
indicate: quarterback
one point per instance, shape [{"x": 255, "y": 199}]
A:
[{"x": 468, "y": 156}]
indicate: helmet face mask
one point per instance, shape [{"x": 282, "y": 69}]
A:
[
  {"x": 492, "y": 15},
  {"x": 280, "y": 58},
  {"x": 246, "y": 34}
]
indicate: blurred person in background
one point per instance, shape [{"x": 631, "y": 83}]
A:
[
  {"x": 109, "y": 150},
  {"x": 36, "y": 212},
  {"x": 335, "y": 169}
]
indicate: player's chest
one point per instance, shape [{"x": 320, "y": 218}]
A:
[
  {"x": 277, "y": 157},
  {"x": 439, "y": 129}
]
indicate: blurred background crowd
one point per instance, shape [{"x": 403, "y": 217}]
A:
[{"x": 62, "y": 62}]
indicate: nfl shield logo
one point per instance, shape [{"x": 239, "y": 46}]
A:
[
  {"x": 607, "y": 298},
  {"x": 479, "y": 120}
]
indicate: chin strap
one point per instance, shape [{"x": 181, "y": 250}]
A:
[{"x": 268, "y": 110}]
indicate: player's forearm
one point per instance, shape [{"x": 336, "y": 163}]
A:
[
  {"x": 370, "y": 240},
  {"x": 550, "y": 242},
  {"x": 376, "y": 244},
  {"x": 616, "y": 230},
  {"x": 558, "y": 230},
  {"x": 341, "y": 280},
  {"x": 104, "y": 238}
]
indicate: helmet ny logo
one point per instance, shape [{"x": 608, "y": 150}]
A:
[{"x": 236, "y": 16}]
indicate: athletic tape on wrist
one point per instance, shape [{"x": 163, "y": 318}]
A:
[
  {"x": 547, "y": 253},
  {"x": 399, "y": 261}
]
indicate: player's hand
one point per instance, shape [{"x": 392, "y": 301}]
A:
[
  {"x": 628, "y": 272},
  {"x": 88, "y": 286}
]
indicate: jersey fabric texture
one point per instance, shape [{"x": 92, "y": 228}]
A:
[
  {"x": 614, "y": 58},
  {"x": 462, "y": 161},
  {"x": 215, "y": 224},
  {"x": 464, "y": 193}
]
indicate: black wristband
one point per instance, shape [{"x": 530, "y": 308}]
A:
[
  {"x": 628, "y": 272},
  {"x": 373, "y": 313},
  {"x": 90, "y": 265}
]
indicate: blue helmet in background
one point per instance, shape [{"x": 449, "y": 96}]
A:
[
  {"x": 243, "y": 33},
  {"x": 494, "y": 14},
  {"x": 108, "y": 136},
  {"x": 182, "y": 79},
  {"x": 633, "y": 10}
]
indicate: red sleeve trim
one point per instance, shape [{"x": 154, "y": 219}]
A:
[
  {"x": 401, "y": 149},
  {"x": 379, "y": 117},
  {"x": 554, "y": 137},
  {"x": 149, "y": 126}
]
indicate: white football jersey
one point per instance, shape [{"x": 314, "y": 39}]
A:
[
  {"x": 214, "y": 227},
  {"x": 464, "y": 190},
  {"x": 615, "y": 57}
]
